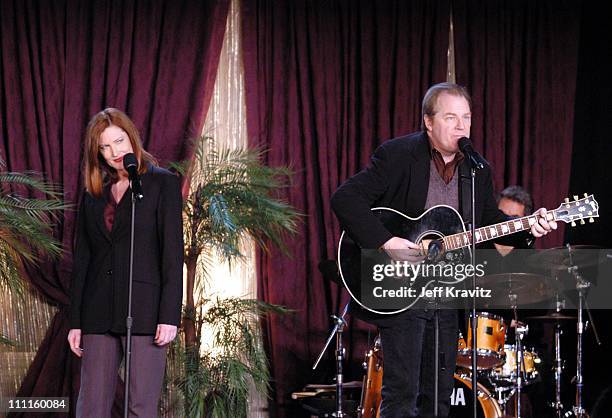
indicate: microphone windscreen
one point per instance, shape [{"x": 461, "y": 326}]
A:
[
  {"x": 129, "y": 160},
  {"x": 465, "y": 143}
]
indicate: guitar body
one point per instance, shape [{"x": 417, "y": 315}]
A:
[
  {"x": 384, "y": 285},
  {"x": 431, "y": 226}
]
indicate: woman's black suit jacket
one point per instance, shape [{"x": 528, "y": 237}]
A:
[{"x": 99, "y": 289}]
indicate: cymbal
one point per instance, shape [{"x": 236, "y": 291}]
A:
[
  {"x": 526, "y": 287},
  {"x": 553, "y": 317},
  {"x": 558, "y": 258}
]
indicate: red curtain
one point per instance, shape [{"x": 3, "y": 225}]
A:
[
  {"x": 519, "y": 60},
  {"x": 326, "y": 82},
  {"x": 63, "y": 61}
]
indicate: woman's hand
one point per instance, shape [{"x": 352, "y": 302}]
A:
[
  {"x": 74, "y": 339},
  {"x": 165, "y": 334}
]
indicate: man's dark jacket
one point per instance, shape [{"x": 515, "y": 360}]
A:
[{"x": 398, "y": 178}]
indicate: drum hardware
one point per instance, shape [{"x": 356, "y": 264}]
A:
[
  {"x": 570, "y": 259},
  {"x": 340, "y": 323},
  {"x": 558, "y": 405},
  {"x": 521, "y": 331},
  {"x": 501, "y": 397},
  {"x": 557, "y": 317},
  {"x": 582, "y": 286},
  {"x": 320, "y": 399}
]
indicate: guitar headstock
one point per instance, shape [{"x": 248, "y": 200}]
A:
[{"x": 578, "y": 210}]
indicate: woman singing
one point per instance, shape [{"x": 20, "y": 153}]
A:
[{"x": 99, "y": 292}]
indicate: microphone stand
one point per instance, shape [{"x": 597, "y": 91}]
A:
[
  {"x": 436, "y": 358},
  {"x": 136, "y": 196},
  {"x": 474, "y": 317},
  {"x": 337, "y": 332},
  {"x": 476, "y": 163}
]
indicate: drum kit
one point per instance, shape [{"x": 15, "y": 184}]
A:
[
  {"x": 498, "y": 362},
  {"x": 505, "y": 366}
]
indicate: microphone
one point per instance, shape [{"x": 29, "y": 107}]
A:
[
  {"x": 130, "y": 163},
  {"x": 476, "y": 160}
]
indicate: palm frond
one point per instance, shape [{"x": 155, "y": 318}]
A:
[
  {"x": 31, "y": 180},
  {"x": 29, "y": 235},
  {"x": 234, "y": 197},
  {"x": 11, "y": 269},
  {"x": 217, "y": 385},
  {"x": 26, "y": 223},
  {"x": 42, "y": 209}
]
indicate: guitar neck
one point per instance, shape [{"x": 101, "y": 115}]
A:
[{"x": 489, "y": 232}]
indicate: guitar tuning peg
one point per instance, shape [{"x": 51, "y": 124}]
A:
[
  {"x": 567, "y": 200},
  {"x": 573, "y": 223},
  {"x": 586, "y": 195},
  {"x": 591, "y": 220},
  {"x": 582, "y": 222},
  {"x": 575, "y": 197}
]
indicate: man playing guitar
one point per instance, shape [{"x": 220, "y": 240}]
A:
[{"x": 411, "y": 174}]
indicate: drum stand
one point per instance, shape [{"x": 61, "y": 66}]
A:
[
  {"x": 581, "y": 286},
  {"x": 519, "y": 332},
  {"x": 502, "y": 398},
  {"x": 337, "y": 332},
  {"x": 557, "y": 404}
]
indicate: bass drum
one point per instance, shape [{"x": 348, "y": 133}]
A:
[
  {"x": 369, "y": 406},
  {"x": 461, "y": 400},
  {"x": 461, "y": 397}
]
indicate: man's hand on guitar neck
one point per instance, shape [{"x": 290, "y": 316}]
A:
[
  {"x": 543, "y": 226},
  {"x": 400, "y": 249}
]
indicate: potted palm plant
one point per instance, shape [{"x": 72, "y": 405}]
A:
[
  {"x": 233, "y": 196},
  {"x": 26, "y": 234}
]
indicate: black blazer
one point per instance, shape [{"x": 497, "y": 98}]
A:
[
  {"x": 398, "y": 177},
  {"x": 99, "y": 288}
]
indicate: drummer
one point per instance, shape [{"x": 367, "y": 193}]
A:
[{"x": 515, "y": 201}]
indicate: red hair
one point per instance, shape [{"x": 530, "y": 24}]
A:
[{"x": 96, "y": 171}]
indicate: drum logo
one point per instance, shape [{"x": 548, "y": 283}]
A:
[{"x": 458, "y": 397}]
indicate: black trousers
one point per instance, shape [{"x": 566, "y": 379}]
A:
[{"x": 408, "y": 377}]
